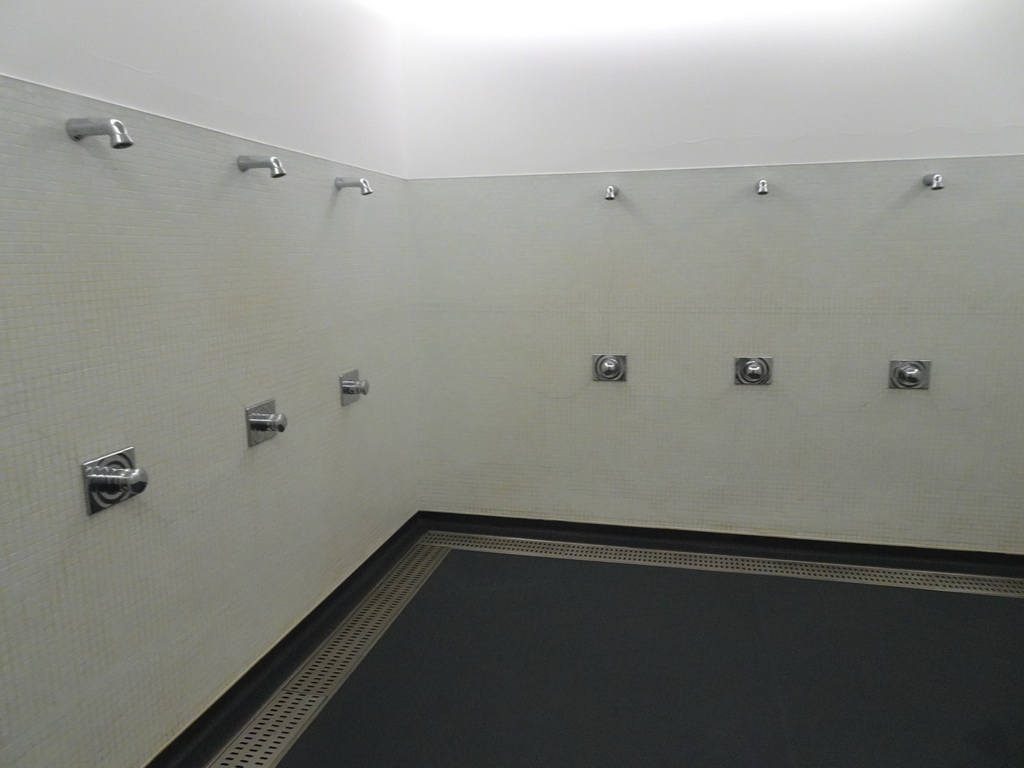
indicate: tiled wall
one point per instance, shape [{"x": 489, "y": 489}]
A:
[
  {"x": 147, "y": 296},
  {"x": 839, "y": 269}
]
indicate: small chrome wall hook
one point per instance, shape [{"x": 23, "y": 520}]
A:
[
  {"x": 762, "y": 187},
  {"x": 934, "y": 180},
  {"x": 611, "y": 192}
]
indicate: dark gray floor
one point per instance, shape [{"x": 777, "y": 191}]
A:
[{"x": 525, "y": 662}]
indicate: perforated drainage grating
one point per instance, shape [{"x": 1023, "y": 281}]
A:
[
  {"x": 266, "y": 738},
  {"x": 893, "y": 577}
]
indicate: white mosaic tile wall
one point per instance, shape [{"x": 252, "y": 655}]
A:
[
  {"x": 839, "y": 269},
  {"x": 147, "y": 296}
]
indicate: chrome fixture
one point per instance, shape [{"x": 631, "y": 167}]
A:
[
  {"x": 111, "y": 479},
  {"x": 762, "y": 187},
  {"x": 611, "y": 193},
  {"x": 245, "y": 162},
  {"x": 80, "y": 127},
  {"x": 352, "y": 387},
  {"x": 910, "y": 374},
  {"x": 753, "y": 370},
  {"x": 609, "y": 367},
  {"x": 934, "y": 180},
  {"x": 364, "y": 186},
  {"x": 262, "y": 423}
]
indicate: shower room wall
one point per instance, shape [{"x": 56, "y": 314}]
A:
[
  {"x": 848, "y": 263},
  {"x": 150, "y": 295},
  {"x": 838, "y": 270}
]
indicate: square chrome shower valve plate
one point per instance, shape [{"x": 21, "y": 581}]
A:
[
  {"x": 910, "y": 374},
  {"x": 753, "y": 371},
  {"x": 99, "y": 499},
  {"x": 608, "y": 367},
  {"x": 255, "y": 436}
]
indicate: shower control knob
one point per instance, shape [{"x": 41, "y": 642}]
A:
[
  {"x": 268, "y": 422},
  {"x": 909, "y": 374},
  {"x": 352, "y": 387},
  {"x": 609, "y": 367},
  {"x": 262, "y": 422},
  {"x": 115, "y": 479},
  {"x": 111, "y": 479},
  {"x": 753, "y": 370},
  {"x": 357, "y": 387}
]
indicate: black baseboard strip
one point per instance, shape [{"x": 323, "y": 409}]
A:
[{"x": 203, "y": 740}]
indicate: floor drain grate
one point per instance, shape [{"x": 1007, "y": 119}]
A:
[
  {"x": 894, "y": 577},
  {"x": 269, "y": 734},
  {"x": 266, "y": 738}
]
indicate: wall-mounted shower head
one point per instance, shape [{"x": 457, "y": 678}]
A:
[
  {"x": 100, "y": 126},
  {"x": 363, "y": 184},
  {"x": 611, "y": 193},
  {"x": 934, "y": 180},
  {"x": 245, "y": 162}
]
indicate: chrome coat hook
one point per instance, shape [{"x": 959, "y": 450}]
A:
[
  {"x": 611, "y": 192},
  {"x": 363, "y": 185},
  {"x": 79, "y": 127},
  {"x": 934, "y": 180},
  {"x": 111, "y": 479},
  {"x": 262, "y": 423},
  {"x": 352, "y": 387},
  {"x": 247, "y": 162},
  {"x": 762, "y": 187}
]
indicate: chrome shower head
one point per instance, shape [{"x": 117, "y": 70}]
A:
[
  {"x": 363, "y": 184},
  {"x": 245, "y": 162},
  {"x": 79, "y": 127}
]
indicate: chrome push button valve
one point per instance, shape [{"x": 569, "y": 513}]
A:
[
  {"x": 910, "y": 374},
  {"x": 111, "y": 479},
  {"x": 352, "y": 387},
  {"x": 262, "y": 422},
  {"x": 753, "y": 370},
  {"x": 609, "y": 367}
]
